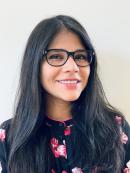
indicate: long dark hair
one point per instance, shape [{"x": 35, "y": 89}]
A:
[{"x": 94, "y": 117}]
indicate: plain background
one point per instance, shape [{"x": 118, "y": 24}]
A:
[{"x": 107, "y": 23}]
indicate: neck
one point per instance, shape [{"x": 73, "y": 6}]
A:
[{"x": 58, "y": 109}]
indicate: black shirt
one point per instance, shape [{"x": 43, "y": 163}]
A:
[{"x": 61, "y": 145}]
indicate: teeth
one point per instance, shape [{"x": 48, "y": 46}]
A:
[{"x": 68, "y": 81}]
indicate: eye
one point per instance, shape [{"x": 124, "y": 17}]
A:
[
  {"x": 81, "y": 57},
  {"x": 55, "y": 57}
]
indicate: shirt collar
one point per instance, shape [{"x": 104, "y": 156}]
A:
[{"x": 55, "y": 123}]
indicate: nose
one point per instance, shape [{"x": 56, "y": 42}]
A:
[{"x": 70, "y": 65}]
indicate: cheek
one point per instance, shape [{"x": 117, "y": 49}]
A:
[
  {"x": 85, "y": 76},
  {"x": 42, "y": 79},
  {"x": 47, "y": 76},
  {"x": 44, "y": 71}
]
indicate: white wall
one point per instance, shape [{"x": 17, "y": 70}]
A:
[{"x": 108, "y": 24}]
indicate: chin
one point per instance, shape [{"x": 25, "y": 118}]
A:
[{"x": 71, "y": 98}]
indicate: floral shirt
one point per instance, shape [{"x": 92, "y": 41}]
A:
[{"x": 61, "y": 146}]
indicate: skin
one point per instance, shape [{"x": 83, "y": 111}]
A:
[{"x": 59, "y": 97}]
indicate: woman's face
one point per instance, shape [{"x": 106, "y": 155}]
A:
[{"x": 61, "y": 82}]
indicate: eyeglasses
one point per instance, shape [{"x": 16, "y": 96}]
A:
[{"x": 58, "y": 57}]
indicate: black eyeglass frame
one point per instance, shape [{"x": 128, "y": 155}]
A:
[{"x": 69, "y": 54}]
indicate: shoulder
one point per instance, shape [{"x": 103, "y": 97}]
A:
[
  {"x": 4, "y": 128},
  {"x": 125, "y": 139},
  {"x": 6, "y": 123},
  {"x": 126, "y": 136},
  {"x": 124, "y": 128}
]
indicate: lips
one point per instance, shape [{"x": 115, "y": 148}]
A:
[
  {"x": 70, "y": 84},
  {"x": 69, "y": 81}
]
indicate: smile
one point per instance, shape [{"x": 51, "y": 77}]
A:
[{"x": 69, "y": 81}]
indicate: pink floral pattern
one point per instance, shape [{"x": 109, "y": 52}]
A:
[
  {"x": 52, "y": 171},
  {"x": 127, "y": 169},
  {"x": 67, "y": 131},
  {"x": 77, "y": 170},
  {"x": 0, "y": 167},
  {"x": 58, "y": 149},
  {"x": 2, "y": 135},
  {"x": 54, "y": 143},
  {"x": 118, "y": 120},
  {"x": 124, "y": 138}
]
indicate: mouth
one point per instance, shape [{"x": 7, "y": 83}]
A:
[
  {"x": 68, "y": 81},
  {"x": 70, "y": 84}
]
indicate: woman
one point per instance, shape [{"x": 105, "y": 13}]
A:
[{"x": 63, "y": 122}]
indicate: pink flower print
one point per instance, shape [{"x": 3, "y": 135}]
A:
[
  {"x": 67, "y": 131},
  {"x": 64, "y": 142},
  {"x": 56, "y": 153},
  {"x": 128, "y": 164},
  {"x": 52, "y": 171},
  {"x": 54, "y": 143},
  {"x": 64, "y": 172},
  {"x": 127, "y": 170},
  {"x": 2, "y": 135},
  {"x": 77, "y": 170},
  {"x": 58, "y": 150},
  {"x": 118, "y": 120},
  {"x": 0, "y": 167},
  {"x": 62, "y": 150},
  {"x": 124, "y": 138}
]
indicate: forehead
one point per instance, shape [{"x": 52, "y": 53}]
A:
[{"x": 66, "y": 40}]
